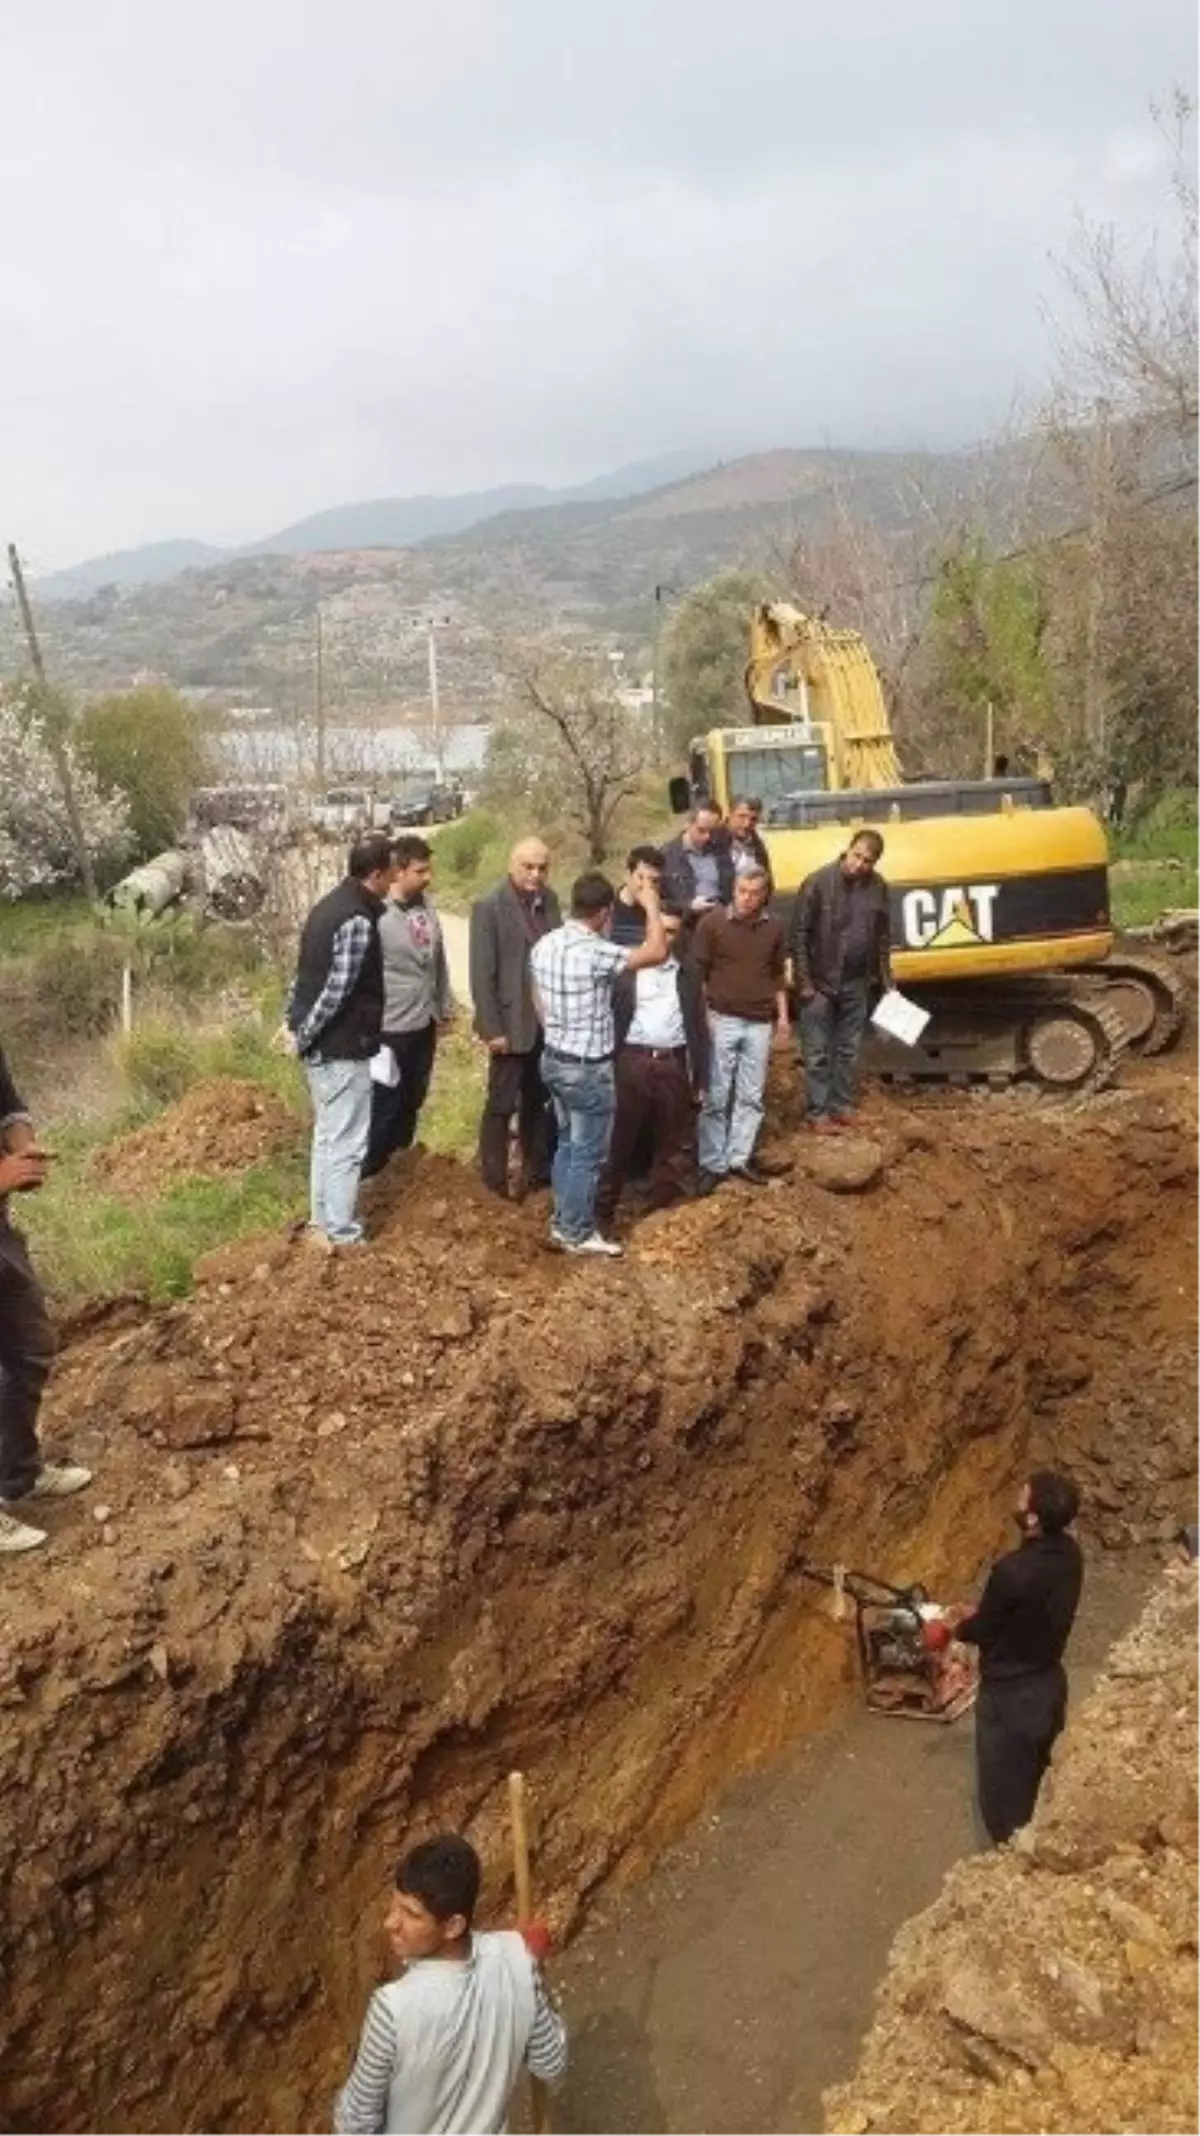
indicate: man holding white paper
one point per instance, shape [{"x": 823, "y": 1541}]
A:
[{"x": 840, "y": 945}]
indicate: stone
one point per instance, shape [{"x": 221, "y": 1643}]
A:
[
  {"x": 847, "y": 1164},
  {"x": 200, "y": 1416},
  {"x": 980, "y": 2003}
]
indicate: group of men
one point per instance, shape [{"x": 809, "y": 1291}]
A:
[{"x": 629, "y": 1038}]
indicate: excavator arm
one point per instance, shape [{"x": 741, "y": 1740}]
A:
[{"x": 804, "y": 671}]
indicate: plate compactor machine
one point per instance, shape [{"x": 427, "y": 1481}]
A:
[{"x": 911, "y": 1663}]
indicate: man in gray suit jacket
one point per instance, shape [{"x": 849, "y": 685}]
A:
[{"x": 504, "y": 927}]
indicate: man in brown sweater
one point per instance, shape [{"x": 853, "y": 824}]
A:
[{"x": 739, "y": 953}]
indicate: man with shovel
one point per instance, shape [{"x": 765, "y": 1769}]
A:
[{"x": 443, "y": 2046}]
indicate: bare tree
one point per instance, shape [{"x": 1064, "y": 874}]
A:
[
  {"x": 568, "y": 733},
  {"x": 1135, "y": 341}
]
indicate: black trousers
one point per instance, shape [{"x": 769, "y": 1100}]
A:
[
  {"x": 395, "y": 1108},
  {"x": 655, "y": 1124},
  {"x": 1017, "y": 1722},
  {"x": 514, "y": 1085},
  {"x": 26, "y": 1354}
]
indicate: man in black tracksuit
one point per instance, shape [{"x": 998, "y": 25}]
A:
[{"x": 1021, "y": 1628}]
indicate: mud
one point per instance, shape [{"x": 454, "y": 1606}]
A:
[{"x": 370, "y": 1530}]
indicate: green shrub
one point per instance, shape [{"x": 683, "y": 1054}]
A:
[
  {"x": 160, "y": 1059},
  {"x": 461, "y": 846},
  {"x": 76, "y": 981}
]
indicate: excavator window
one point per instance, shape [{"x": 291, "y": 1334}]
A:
[{"x": 779, "y": 775}]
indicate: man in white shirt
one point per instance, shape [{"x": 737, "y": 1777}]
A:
[
  {"x": 661, "y": 1074},
  {"x": 442, "y": 2047},
  {"x": 573, "y": 969}
]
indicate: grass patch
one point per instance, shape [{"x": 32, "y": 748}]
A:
[
  {"x": 1155, "y": 862},
  {"x": 450, "y": 1121},
  {"x": 27, "y": 922},
  {"x": 90, "y": 1244}
]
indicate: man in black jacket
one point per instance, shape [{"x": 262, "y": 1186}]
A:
[
  {"x": 661, "y": 1070},
  {"x": 26, "y": 1339},
  {"x": 335, "y": 1018},
  {"x": 840, "y": 946},
  {"x": 504, "y": 927},
  {"x": 746, "y": 848},
  {"x": 1021, "y": 1628},
  {"x": 698, "y": 866}
]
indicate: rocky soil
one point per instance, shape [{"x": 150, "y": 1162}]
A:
[
  {"x": 1053, "y": 1984},
  {"x": 218, "y": 1129},
  {"x": 369, "y": 1530}
]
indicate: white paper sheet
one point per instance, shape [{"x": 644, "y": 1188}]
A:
[
  {"x": 385, "y": 1068},
  {"x": 898, "y": 1017}
]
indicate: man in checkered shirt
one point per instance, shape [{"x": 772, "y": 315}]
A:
[{"x": 573, "y": 969}]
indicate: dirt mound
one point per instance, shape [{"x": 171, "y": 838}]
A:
[
  {"x": 375, "y": 1528},
  {"x": 218, "y": 1129},
  {"x": 1053, "y": 1984}
]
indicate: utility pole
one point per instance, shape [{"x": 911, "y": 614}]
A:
[
  {"x": 656, "y": 655},
  {"x": 54, "y": 730},
  {"x": 319, "y": 697},
  {"x": 435, "y": 702},
  {"x": 431, "y": 625}
]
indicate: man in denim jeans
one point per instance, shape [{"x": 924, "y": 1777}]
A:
[
  {"x": 739, "y": 954},
  {"x": 573, "y": 968},
  {"x": 334, "y": 1018}
]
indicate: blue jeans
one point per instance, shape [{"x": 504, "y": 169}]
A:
[
  {"x": 584, "y": 1098},
  {"x": 731, "y": 1114},
  {"x": 830, "y": 1029},
  {"x": 341, "y": 1099}
]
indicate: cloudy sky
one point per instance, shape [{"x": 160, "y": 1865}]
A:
[{"x": 257, "y": 258}]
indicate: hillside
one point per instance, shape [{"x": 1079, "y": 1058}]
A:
[
  {"x": 245, "y": 627},
  {"x": 381, "y": 522}
]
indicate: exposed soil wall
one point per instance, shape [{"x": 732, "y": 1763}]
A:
[
  {"x": 1053, "y": 1984},
  {"x": 369, "y": 1531}
]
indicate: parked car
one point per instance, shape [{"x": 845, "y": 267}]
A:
[
  {"x": 348, "y": 812},
  {"x": 426, "y": 803}
]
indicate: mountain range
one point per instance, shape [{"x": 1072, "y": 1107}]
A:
[
  {"x": 605, "y": 563},
  {"x": 378, "y": 523}
]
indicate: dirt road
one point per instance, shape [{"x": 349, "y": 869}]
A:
[
  {"x": 728, "y": 1989},
  {"x": 454, "y": 929}
]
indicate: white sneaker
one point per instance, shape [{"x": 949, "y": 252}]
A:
[
  {"x": 596, "y": 1244},
  {"x": 58, "y": 1480},
  {"x": 15, "y": 1536}
]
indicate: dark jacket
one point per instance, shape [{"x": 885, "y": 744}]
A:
[
  {"x": 501, "y": 940},
  {"x": 1027, "y": 1609},
  {"x": 352, "y": 1034},
  {"x": 691, "y": 1002},
  {"x": 679, "y": 881},
  {"x": 12, "y": 1109},
  {"x": 756, "y": 846},
  {"x": 816, "y": 940}
]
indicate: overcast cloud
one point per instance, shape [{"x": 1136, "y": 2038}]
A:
[{"x": 260, "y": 258}]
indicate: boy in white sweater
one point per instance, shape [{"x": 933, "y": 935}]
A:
[{"x": 442, "y": 2047}]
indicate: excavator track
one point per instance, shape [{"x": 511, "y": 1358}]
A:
[
  {"x": 1066, "y": 1040},
  {"x": 1146, "y": 994}
]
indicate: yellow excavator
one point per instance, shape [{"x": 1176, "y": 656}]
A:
[{"x": 999, "y": 898}]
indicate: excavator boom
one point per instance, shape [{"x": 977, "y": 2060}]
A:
[{"x": 806, "y": 672}]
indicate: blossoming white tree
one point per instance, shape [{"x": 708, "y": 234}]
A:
[{"x": 36, "y": 849}]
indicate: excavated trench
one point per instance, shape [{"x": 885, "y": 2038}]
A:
[{"x": 368, "y": 1533}]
